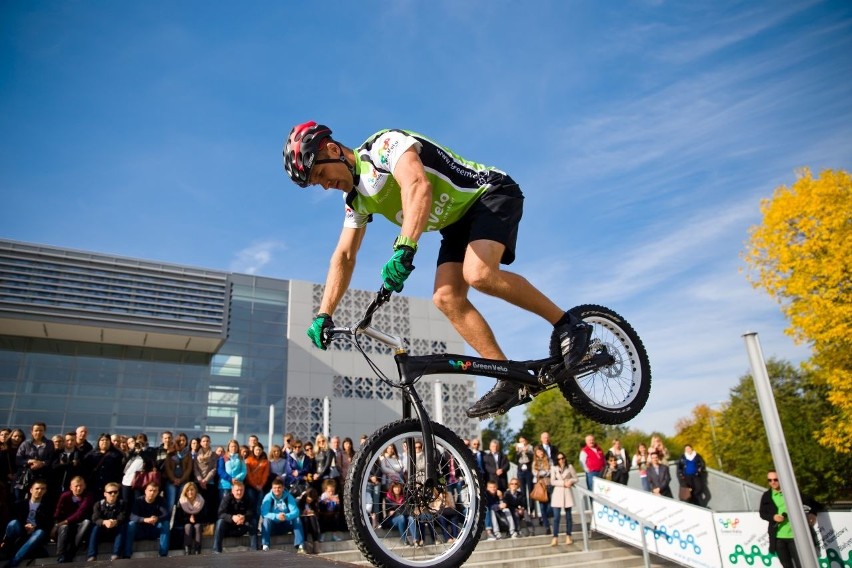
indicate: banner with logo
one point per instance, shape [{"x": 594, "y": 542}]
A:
[
  {"x": 684, "y": 533},
  {"x": 744, "y": 542}
]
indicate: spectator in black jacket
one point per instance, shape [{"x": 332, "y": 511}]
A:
[
  {"x": 67, "y": 463},
  {"x": 109, "y": 520},
  {"x": 149, "y": 520},
  {"x": 773, "y": 508},
  {"x": 516, "y": 499},
  {"x": 614, "y": 471},
  {"x": 30, "y": 528},
  {"x": 236, "y": 517},
  {"x": 33, "y": 460},
  {"x": 496, "y": 466},
  {"x": 103, "y": 465}
]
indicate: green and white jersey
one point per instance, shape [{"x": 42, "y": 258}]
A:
[{"x": 456, "y": 183}]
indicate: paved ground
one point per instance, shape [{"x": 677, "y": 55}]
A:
[{"x": 277, "y": 558}]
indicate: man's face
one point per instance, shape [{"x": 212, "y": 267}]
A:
[
  {"x": 38, "y": 432},
  {"x": 590, "y": 441},
  {"x": 37, "y": 491},
  {"x": 167, "y": 439},
  {"x": 78, "y": 486},
  {"x": 252, "y": 441},
  {"x": 491, "y": 488},
  {"x": 70, "y": 443},
  {"x": 237, "y": 491},
  {"x": 494, "y": 446},
  {"x": 82, "y": 433},
  {"x": 111, "y": 494},
  {"x": 655, "y": 459},
  {"x": 335, "y": 443},
  {"x": 474, "y": 444},
  {"x": 151, "y": 493},
  {"x": 545, "y": 439},
  {"x": 334, "y": 175},
  {"x": 278, "y": 490}
]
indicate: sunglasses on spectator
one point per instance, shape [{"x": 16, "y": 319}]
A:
[
  {"x": 772, "y": 479},
  {"x": 110, "y": 492}
]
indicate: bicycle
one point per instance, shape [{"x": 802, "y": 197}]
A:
[{"x": 610, "y": 384}]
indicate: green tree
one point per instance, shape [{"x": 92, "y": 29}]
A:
[
  {"x": 702, "y": 431},
  {"x": 821, "y": 472},
  {"x": 498, "y": 429},
  {"x": 800, "y": 255}
]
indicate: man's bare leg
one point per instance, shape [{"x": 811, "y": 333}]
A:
[
  {"x": 450, "y": 296},
  {"x": 482, "y": 272}
]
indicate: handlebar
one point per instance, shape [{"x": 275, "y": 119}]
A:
[{"x": 382, "y": 297}]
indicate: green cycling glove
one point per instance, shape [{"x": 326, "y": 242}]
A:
[
  {"x": 318, "y": 326},
  {"x": 400, "y": 266}
]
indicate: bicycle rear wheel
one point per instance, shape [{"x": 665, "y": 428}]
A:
[
  {"x": 613, "y": 393},
  {"x": 450, "y": 527}
]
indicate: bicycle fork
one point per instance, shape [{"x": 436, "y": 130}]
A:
[{"x": 412, "y": 405}]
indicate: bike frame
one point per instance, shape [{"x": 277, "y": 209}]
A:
[{"x": 412, "y": 367}]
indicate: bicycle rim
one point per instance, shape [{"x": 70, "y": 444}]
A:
[
  {"x": 383, "y": 545},
  {"x": 614, "y": 393}
]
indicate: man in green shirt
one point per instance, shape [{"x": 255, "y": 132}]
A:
[
  {"x": 422, "y": 186},
  {"x": 773, "y": 508}
]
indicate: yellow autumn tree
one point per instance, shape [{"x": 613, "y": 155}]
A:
[{"x": 801, "y": 254}]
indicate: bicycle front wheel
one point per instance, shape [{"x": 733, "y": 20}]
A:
[
  {"x": 437, "y": 524},
  {"x": 616, "y": 392}
]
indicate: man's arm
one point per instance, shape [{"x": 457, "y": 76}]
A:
[
  {"x": 416, "y": 194},
  {"x": 340, "y": 268}
]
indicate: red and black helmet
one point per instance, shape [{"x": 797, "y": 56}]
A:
[{"x": 301, "y": 148}]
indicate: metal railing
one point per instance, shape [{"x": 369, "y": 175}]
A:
[{"x": 586, "y": 498}]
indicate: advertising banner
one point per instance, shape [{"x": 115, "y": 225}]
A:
[
  {"x": 684, "y": 533},
  {"x": 743, "y": 540}
]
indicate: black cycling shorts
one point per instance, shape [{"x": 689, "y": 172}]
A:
[{"x": 494, "y": 217}]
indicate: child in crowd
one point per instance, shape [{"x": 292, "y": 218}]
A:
[{"x": 330, "y": 509}]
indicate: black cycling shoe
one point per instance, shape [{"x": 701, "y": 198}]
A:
[
  {"x": 501, "y": 397},
  {"x": 573, "y": 338}
]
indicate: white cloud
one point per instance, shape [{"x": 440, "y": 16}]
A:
[{"x": 253, "y": 258}]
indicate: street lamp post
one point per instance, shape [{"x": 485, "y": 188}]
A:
[{"x": 713, "y": 434}]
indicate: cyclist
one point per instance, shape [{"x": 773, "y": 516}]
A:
[{"x": 423, "y": 186}]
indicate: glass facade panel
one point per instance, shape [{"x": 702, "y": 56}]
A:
[{"x": 131, "y": 389}]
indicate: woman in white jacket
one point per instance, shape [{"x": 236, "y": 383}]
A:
[{"x": 562, "y": 478}]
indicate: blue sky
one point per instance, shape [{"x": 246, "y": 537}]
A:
[{"x": 643, "y": 133}]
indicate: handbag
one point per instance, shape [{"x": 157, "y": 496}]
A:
[
  {"x": 142, "y": 478},
  {"x": 539, "y": 492},
  {"x": 684, "y": 493}
]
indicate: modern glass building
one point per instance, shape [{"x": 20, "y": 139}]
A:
[{"x": 125, "y": 346}]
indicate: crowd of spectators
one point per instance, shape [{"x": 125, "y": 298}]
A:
[{"x": 121, "y": 489}]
